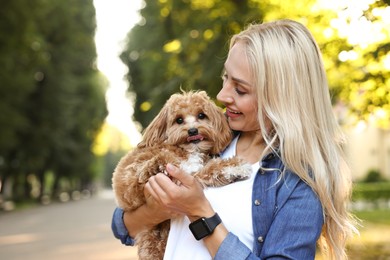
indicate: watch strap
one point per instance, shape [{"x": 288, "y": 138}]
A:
[
  {"x": 203, "y": 227},
  {"x": 213, "y": 221}
]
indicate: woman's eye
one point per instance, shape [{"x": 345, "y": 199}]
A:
[
  {"x": 179, "y": 120},
  {"x": 201, "y": 116},
  {"x": 239, "y": 92}
]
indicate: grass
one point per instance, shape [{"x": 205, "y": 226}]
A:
[
  {"x": 374, "y": 240},
  {"x": 380, "y": 216}
]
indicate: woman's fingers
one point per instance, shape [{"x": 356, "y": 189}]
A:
[
  {"x": 180, "y": 192},
  {"x": 179, "y": 175},
  {"x": 153, "y": 187}
]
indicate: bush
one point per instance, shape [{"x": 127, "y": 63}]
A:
[
  {"x": 373, "y": 176},
  {"x": 371, "y": 191}
]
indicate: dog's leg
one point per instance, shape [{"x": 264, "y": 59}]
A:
[
  {"x": 152, "y": 243},
  {"x": 219, "y": 172}
]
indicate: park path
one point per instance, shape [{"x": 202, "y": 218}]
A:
[{"x": 75, "y": 230}]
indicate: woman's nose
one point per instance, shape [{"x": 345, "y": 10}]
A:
[
  {"x": 219, "y": 95},
  {"x": 223, "y": 95}
]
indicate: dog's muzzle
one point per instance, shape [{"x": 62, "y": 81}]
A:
[{"x": 194, "y": 136}]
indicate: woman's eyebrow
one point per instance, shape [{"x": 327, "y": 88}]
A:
[{"x": 241, "y": 81}]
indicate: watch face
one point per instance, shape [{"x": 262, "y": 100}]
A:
[{"x": 200, "y": 229}]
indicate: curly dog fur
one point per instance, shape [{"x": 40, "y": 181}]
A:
[{"x": 188, "y": 132}]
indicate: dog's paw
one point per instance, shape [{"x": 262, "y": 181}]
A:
[
  {"x": 236, "y": 173},
  {"x": 162, "y": 169}
]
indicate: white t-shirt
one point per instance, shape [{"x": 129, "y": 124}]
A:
[{"x": 232, "y": 203}]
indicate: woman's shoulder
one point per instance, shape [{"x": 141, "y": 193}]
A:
[
  {"x": 293, "y": 188},
  {"x": 286, "y": 182}
]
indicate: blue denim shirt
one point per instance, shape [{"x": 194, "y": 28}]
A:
[{"x": 287, "y": 218}]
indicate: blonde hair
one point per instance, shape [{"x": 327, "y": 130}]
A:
[{"x": 293, "y": 94}]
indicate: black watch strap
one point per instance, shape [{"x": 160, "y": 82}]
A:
[{"x": 203, "y": 227}]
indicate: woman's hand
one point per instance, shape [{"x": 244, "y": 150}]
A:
[
  {"x": 157, "y": 211},
  {"x": 183, "y": 195},
  {"x": 147, "y": 216}
]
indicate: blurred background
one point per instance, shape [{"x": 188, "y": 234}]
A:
[{"x": 81, "y": 79}]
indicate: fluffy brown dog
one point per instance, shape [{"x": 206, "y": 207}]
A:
[{"x": 189, "y": 132}]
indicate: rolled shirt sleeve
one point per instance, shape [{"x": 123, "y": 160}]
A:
[
  {"x": 240, "y": 251},
  {"x": 119, "y": 229}
]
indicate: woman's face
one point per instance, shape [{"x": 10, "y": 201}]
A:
[{"x": 238, "y": 91}]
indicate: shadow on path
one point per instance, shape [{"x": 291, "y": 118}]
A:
[{"x": 73, "y": 230}]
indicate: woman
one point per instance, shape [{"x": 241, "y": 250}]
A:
[{"x": 277, "y": 101}]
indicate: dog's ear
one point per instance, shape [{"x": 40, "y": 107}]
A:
[
  {"x": 155, "y": 133},
  {"x": 224, "y": 134}
]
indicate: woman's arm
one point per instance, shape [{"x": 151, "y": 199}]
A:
[
  {"x": 297, "y": 223},
  {"x": 126, "y": 225},
  {"x": 293, "y": 230},
  {"x": 119, "y": 229},
  {"x": 186, "y": 198}
]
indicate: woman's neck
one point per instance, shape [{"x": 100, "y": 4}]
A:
[{"x": 250, "y": 146}]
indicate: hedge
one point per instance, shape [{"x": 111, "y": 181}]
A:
[{"x": 372, "y": 191}]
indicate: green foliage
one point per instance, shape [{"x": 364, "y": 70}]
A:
[
  {"x": 183, "y": 43},
  {"x": 371, "y": 191},
  {"x": 17, "y": 56},
  {"x": 359, "y": 67},
  {"x": 51, "y": 92},
  {"x": 374, "y": 176}
]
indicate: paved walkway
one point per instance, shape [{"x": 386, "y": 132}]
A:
[{"x": 76, "y": 230}]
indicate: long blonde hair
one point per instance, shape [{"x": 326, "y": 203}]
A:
[{"x": 293, "y": 94}]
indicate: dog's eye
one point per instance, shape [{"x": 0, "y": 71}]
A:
[
  {"x": 201, "y": 116},
  {"x": 179, "y": 120}
]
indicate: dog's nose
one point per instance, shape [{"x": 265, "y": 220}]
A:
[{"x": 192, "y": 131}]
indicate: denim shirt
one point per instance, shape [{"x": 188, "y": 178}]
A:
[{"x": 287, "y": 218}]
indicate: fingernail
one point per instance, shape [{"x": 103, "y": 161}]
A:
[{"x": 170, "y": 167}]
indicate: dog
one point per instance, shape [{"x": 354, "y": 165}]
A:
[{"x": 189, "y": 132}]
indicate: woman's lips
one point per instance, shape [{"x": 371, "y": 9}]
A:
[{"x": 232, "y": 114}]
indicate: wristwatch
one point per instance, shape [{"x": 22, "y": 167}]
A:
[{"x": 203, "y": 227}]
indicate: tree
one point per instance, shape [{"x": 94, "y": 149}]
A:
[
  {"x": 64, "y": 106},
  {"x": 354, "y": 39},
  {"x": 359, "y": 70},
  {"x": 20, "y": 55},
  {"x": 183, "y": 43}
]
